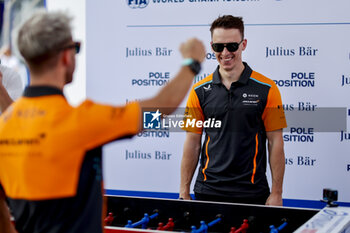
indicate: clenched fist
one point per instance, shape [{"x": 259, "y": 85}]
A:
[{"x": 193, "y": 48}]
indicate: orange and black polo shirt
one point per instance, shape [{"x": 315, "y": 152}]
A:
[
  {"x": 50, "y": 159},
  {"x": 233, "y": 157}
]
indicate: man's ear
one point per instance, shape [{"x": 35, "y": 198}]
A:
[
  {"x": 66, "y": 57},
  {"x": 244, "y": 44}
]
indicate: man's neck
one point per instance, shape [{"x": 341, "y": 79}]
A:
[
  {"x": 47, "y": 79},
  {"x": 231, "y": 76}
]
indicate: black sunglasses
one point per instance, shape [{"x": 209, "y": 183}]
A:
[
  {"x": 75, "y": 46},
  {"x": 231, "y": 47}
]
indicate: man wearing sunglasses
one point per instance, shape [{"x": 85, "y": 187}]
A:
[
  {"x": 50, "y": 152},
  {"x": 232, "y": 165}
]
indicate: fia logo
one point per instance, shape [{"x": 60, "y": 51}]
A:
[
  {"x": 137, "y": 3},
  {"x": 151, "y": 120}
]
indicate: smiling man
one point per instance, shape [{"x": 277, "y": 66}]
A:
[{"x": 232, "y": 165}]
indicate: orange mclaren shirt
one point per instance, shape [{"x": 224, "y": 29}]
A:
[
  {"x": 233, "y": 156},
  {"x": 50, "y": 159}
]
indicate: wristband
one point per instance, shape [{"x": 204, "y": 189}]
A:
[{"x": 194, "y": 65}]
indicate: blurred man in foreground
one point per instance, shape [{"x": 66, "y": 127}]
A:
[{"x": 50, "y": 152}]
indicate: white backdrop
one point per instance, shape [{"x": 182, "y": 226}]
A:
[{"x": 129, "y": 40}]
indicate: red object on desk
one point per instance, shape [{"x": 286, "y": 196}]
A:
[{"x": 109, "y": 219}]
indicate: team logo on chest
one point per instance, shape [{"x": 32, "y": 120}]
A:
[{"x": 250, "y": 99}]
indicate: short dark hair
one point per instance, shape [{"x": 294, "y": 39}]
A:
[{"x": 228, "y": 22}]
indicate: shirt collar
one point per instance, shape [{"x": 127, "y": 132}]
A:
[
  {"x": 243, "y": 79},
  {"x": 36, "y": 91}
]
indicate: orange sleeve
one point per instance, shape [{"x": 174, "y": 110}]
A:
[
  {"x": 100, "y": 124},
  {"x": 273, "y": 115},
  {"x": 193, "y": 113}
]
